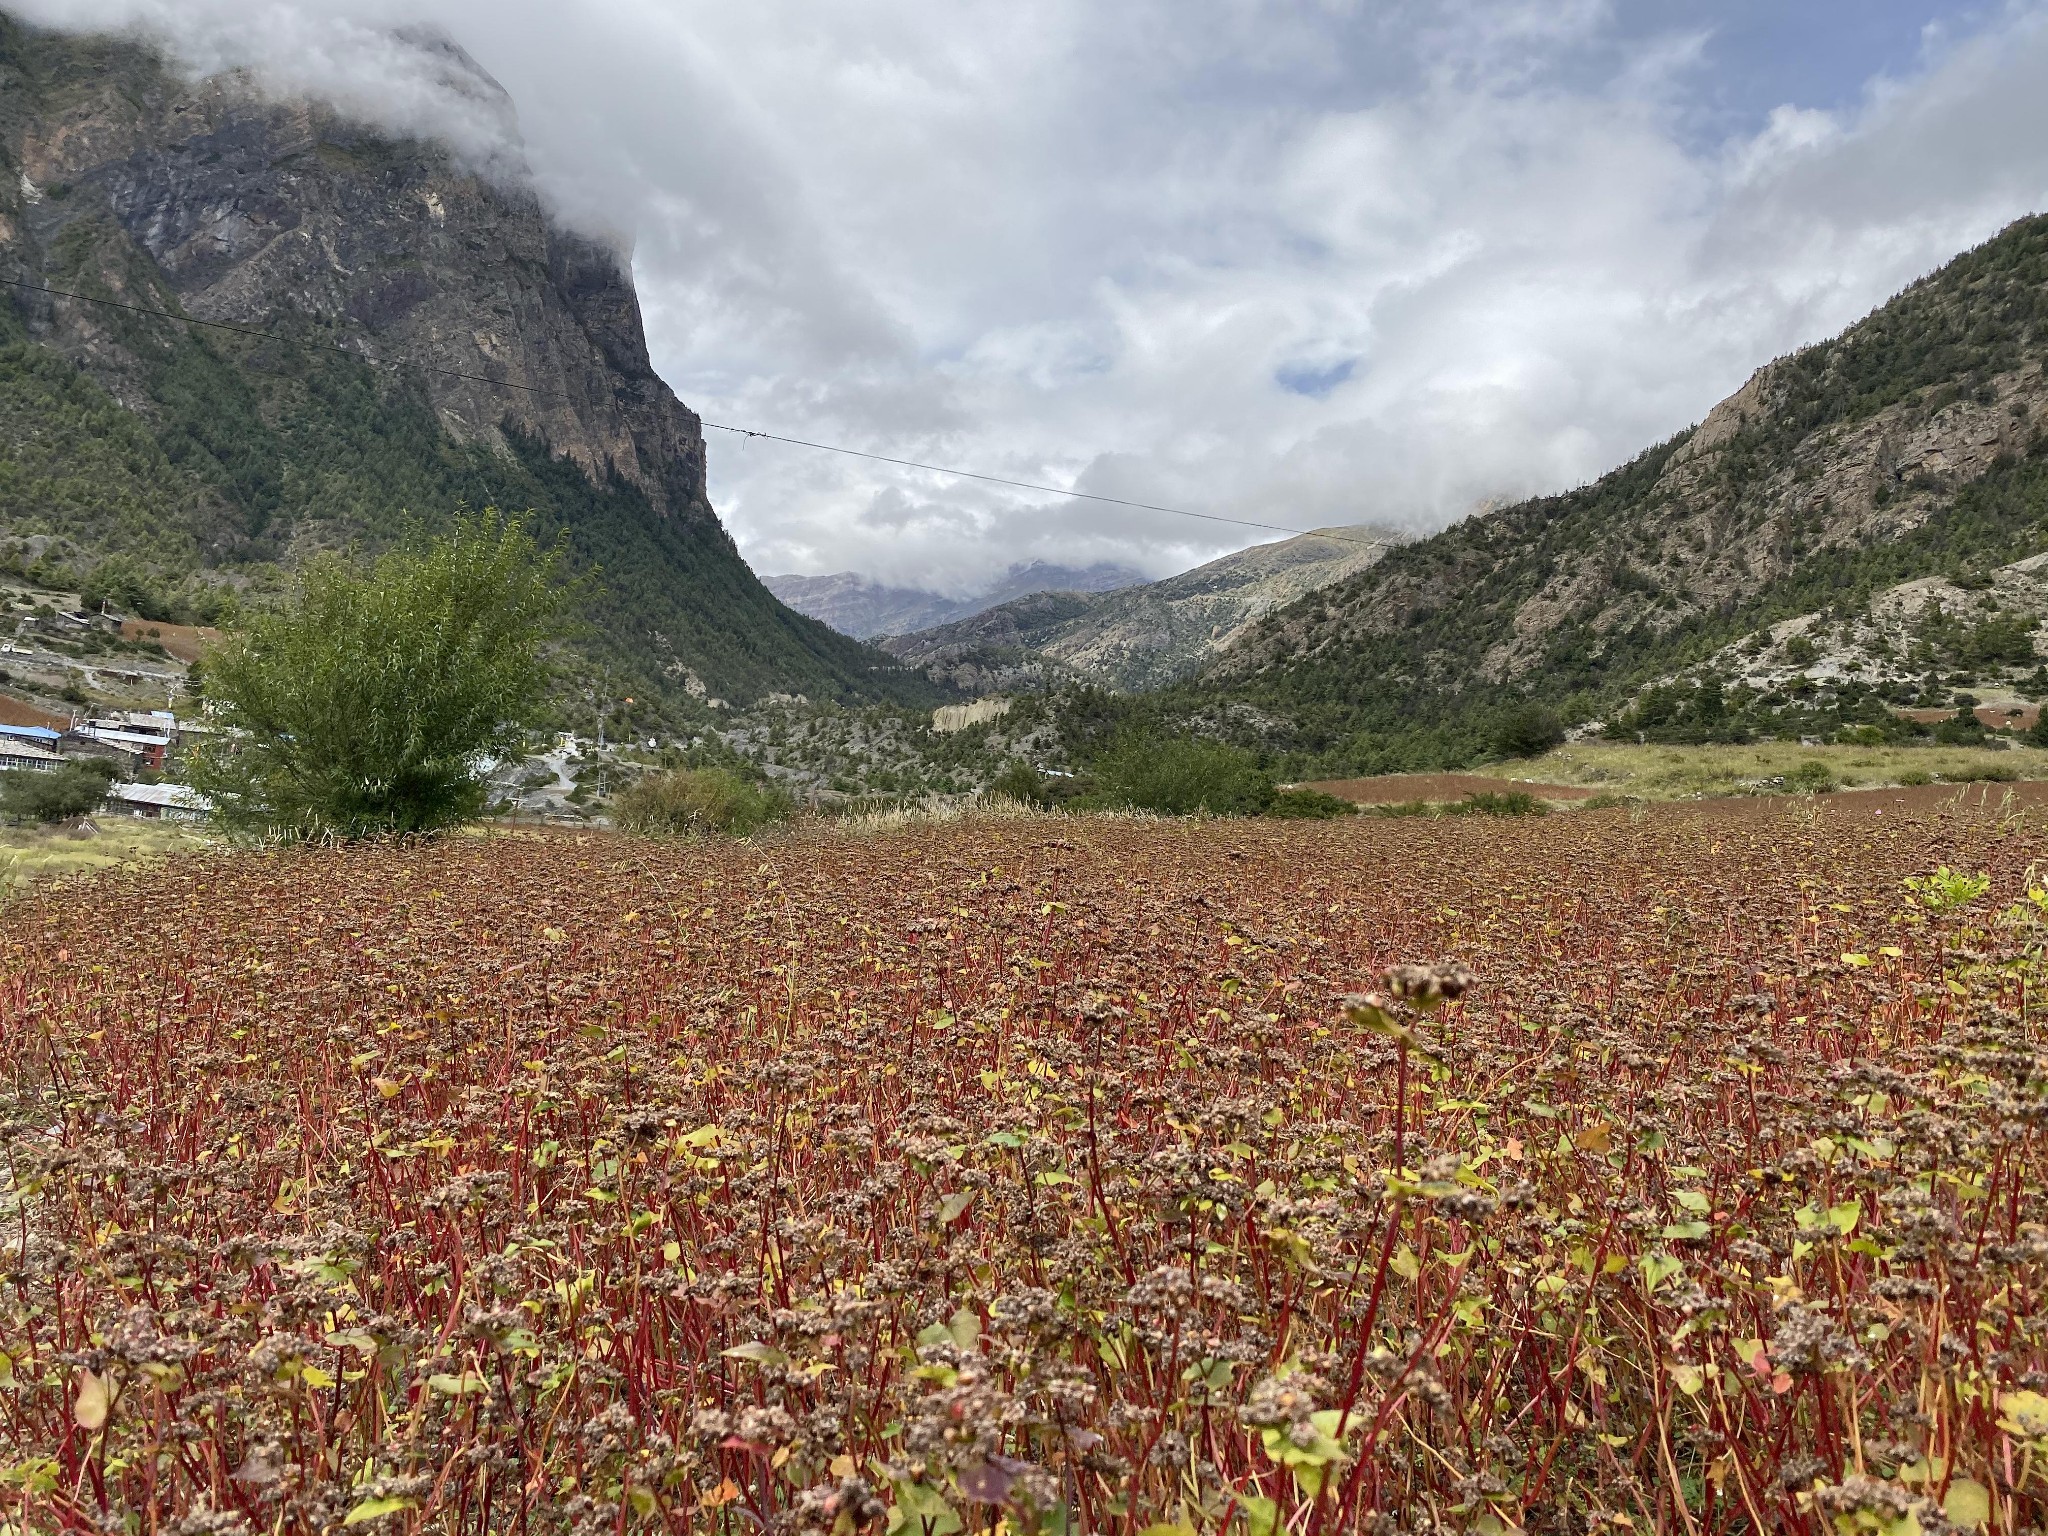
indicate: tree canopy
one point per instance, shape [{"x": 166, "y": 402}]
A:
[{"x": 376, "y": 701}]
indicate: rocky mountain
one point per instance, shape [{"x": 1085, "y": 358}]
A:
[
  {"x": 395, "y": 331},
  {"x": 854, "y": 605},
  {"x": 1910, "y": 446},
  {"x": 1141, "y": 636}
]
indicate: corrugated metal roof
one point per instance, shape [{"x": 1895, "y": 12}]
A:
[
  {"x": 174, "y": 796},
  {"x": 13, "y": 751}
]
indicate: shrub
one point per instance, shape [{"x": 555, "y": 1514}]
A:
[
  {"x": 56, "y": 794},
  {"x": 1607, "y": 800},
  {"x": 375, "y": 702},
  {"x": 1309, "y": 805},
  {"x": 1812, "y": 777},
  {"x": 1486, "y": 802},
  {"x": 1513, "y": 802},
  {"x": 1021, "y": 782},
  {"x": 1526, "y": 730},
  {"x": 1179, "y": 776},
  {"x": 1914, "y": 777},
  {"x": 1984, "y": 773},
  {"x": 694, "y": 802}
]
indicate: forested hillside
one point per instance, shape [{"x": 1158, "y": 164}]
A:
[
  {"x": 1911, "y": 445},
  {"x": 442, "y": 344}
]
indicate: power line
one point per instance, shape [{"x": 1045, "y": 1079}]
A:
[
  {"x": 716, "y": 426},
  {"x": 1026, "y": 485}
]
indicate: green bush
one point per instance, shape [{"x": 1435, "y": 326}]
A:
[
  {"x": 1180, "y": 775},
  {"x": 696, "y": 802},
  {"x": 1913, "y": 777},
  {"x": 55, "y": 794},
  {"x": 1021, "y": 782},
  {"x": 374, "y": 703},
  {"x": 1984, "y": 773},
  {"x": 1526, "y": 730},
  {"x": 1308, "y": 805},
  {"x": 1812, "y": 777}
]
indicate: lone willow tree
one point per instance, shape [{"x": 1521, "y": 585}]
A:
[{"x": 375, "y": 702}]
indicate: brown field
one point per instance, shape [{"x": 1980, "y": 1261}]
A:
[
  {"x": 15, "y": 711},
  {"x": 1398, "y": 788},
  {"x": 187, "y": 642},
  {"x": 1034, "y": 1175}
]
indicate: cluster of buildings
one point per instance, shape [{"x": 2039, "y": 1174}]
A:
[{"x": 137, "y": 742}]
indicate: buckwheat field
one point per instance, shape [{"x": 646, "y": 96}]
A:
[{"x": 1677, "y": 1171}]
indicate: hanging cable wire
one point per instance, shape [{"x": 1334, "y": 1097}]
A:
[{"x": 1334, "y": 535}]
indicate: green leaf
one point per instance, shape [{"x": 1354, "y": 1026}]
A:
[
  {"x": 756, "y": 1351},
  {"x": 1687, "y": 1231},
  {"x": 1260, "y": 1515},
  {"x": 377, "y": 1509},
  {"x": 923, "y": 1509},
  {"x": 964, "y": 1327},
  {"x": 954, "y": 1206},
  {"x": 1968, "y": 1503},
  {"x": 1659, "y": 1267},
  {"x": 1694, "y": 1201}
]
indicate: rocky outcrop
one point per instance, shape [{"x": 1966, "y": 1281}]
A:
[{"x": 123, "y": 180}]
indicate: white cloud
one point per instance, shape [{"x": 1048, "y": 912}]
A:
[{"x": 1095, "y": 245}]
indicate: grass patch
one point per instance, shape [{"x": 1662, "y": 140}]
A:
[
  {"x": 1513, "y": 802},
  {"x": 1686, "y": 773},
  {"x": 44, "y": 853}
]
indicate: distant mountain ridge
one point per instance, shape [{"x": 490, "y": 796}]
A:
[
  {"x": 1914, "y": 444},
  {"x": 857, "y": 606},
  {"x": 1139, "y": 636}
]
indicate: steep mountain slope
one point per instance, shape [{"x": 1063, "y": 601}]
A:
[
  {"x": 856, "y": 606},
  {"x": 1142, "y": 636},
  {"x": 1897, "y": 450},
  {"x": 448, "y": 343}
]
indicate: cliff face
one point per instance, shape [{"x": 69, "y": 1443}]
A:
[
  {"x": 430, "y": 339},
  {"x": 243, "y": 209}
]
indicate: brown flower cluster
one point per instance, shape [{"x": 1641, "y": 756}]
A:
[{"x": 1678, "y": 1172}]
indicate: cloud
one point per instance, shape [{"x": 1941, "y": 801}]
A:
[{"x": 1298, "y": 261}]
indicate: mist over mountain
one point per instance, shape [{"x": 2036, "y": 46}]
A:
[{"x": 855, "y": 605}]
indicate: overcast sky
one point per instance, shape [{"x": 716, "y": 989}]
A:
[{"x": 1297, "y": 261}]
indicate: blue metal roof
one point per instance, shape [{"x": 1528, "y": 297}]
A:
[{"x": 29, "y": 732}]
